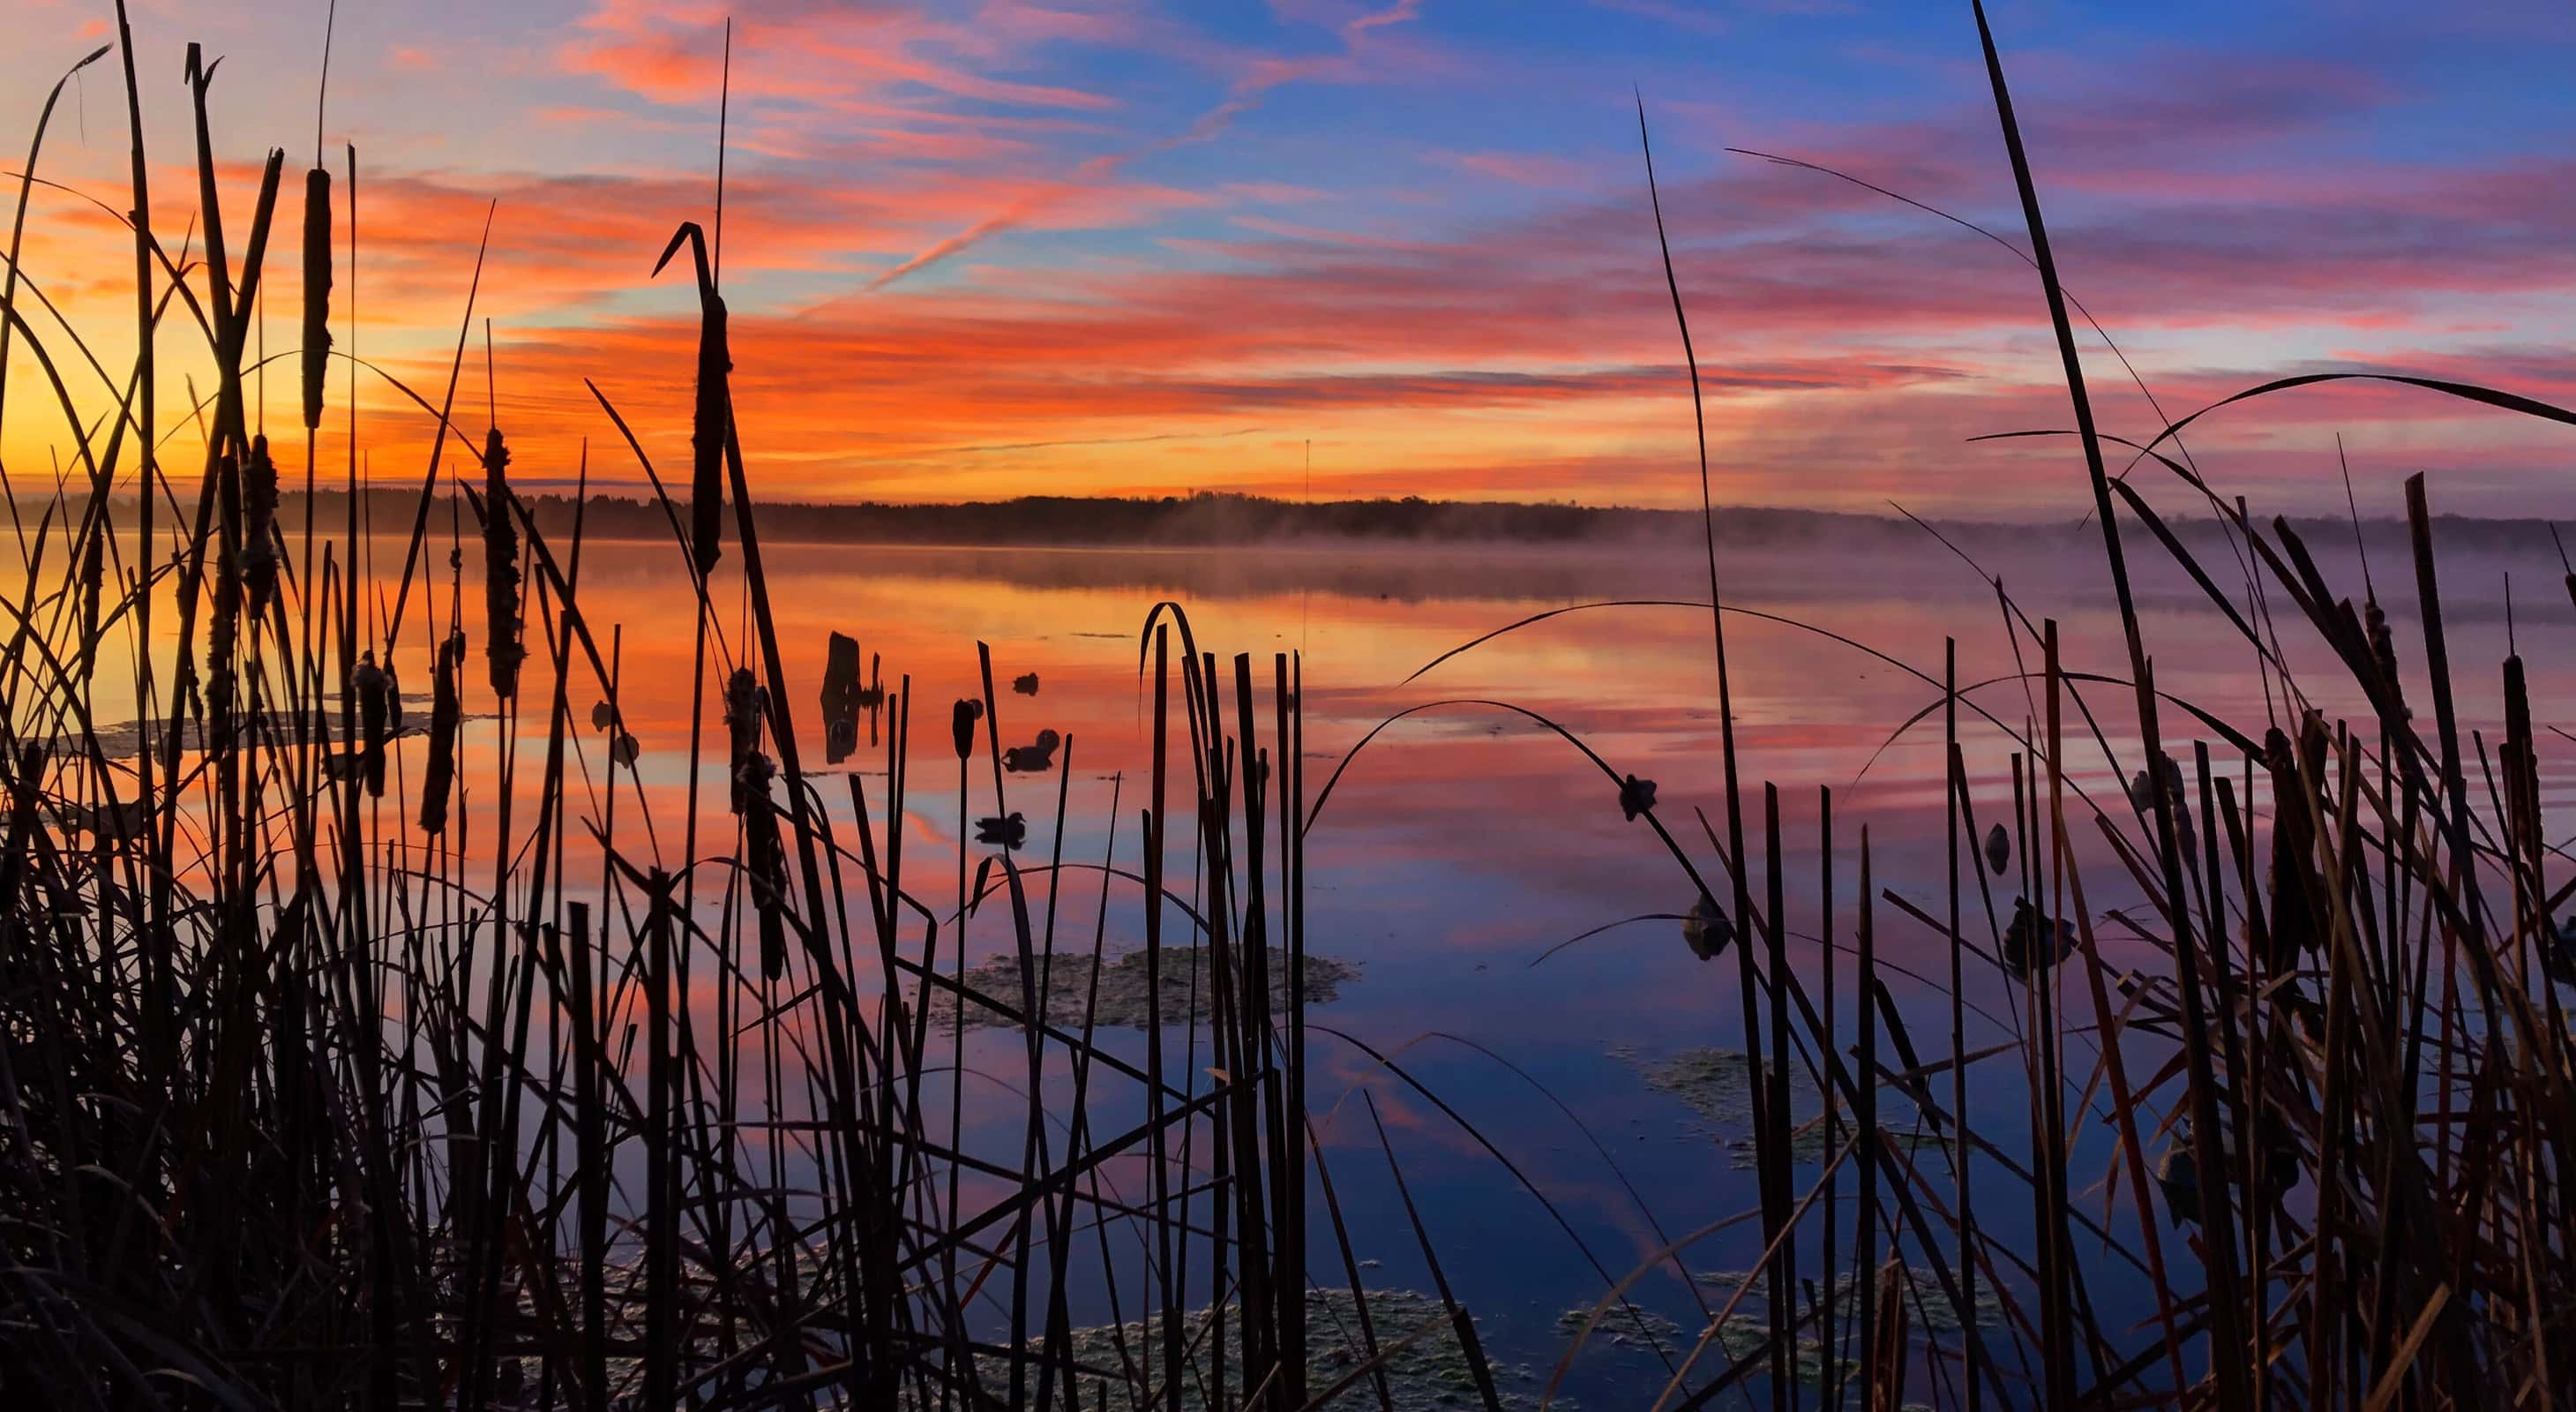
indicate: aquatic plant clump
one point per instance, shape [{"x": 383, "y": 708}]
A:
[
  {"x": 1126, "y": 988},
  {"x": 1432, "y": 1373}
]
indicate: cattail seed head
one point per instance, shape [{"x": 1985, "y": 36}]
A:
[
  {"x": 224, "y": 626},
  {"x": 711, "y": 423},
  {"x": 746, "y": 704},
  {"x": 317, "y": 291},
  {"x": 259, "y": 526},
  {"x": 372, "y": 687},
  {"x": 445, "y": 711},
  {"x": 500, "y": 570},
  {"x": 767, "y": 856}
]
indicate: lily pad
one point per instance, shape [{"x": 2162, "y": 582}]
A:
[{"x": 1188, "y": 988}]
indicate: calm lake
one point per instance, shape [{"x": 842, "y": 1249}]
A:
[{"x": 1466, "y": 844}]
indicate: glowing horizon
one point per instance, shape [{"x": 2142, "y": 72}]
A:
[{"x": 1141, "y": 250}]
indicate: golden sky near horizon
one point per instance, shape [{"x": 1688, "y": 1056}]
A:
[{"x": 1127, "y": 248}]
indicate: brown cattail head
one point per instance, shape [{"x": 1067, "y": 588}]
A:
[
  {"x": 767, "y": 857},
  {"x": 93, "y": 577},
  {"x": 710, "y": 425},
  {"x": 2383, "y": 643},
  {"x": 712, "y": 421},
  {"x": 224, "y": 626},
  {"x": 2295, "y": 885},
  {"x": 445, "y": 711},
  {"x": 746, "y": 703},
  {"x": 259, "y": 526},
  {"x": 500, "y": 569},
  {"x": 961, "y": 725},
  {"x": 317, "y": 291},
  {"x": 372, "y": 687}
]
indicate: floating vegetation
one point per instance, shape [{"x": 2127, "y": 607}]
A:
[
  {"x": 1927, "y": 1305},
  {"x": 1745, "y": 1333},
  {"x": 1187, "y": 992},
  {"x": 1115, "y": 1364},
  {"x": 1632, "y": 1329},
  {"x": 1717, "y": 1084},
  {"x": 273, "y": 730}
]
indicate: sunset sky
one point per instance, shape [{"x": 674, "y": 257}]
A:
[{"x": 1137, "y": 248}]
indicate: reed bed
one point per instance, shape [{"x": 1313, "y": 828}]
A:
[{"x": 341, "y": 1067}]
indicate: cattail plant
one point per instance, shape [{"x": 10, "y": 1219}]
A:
[
  {"x": 446, "y": 710},
  {"x": 374, "y": 691},
  {"x": 2293, "y": 928},
  {"x": 223, "y": 624},
  {"x": 746, "y": 707},
  {"x": 259, "y": 527},
  {"x": 501, "y": 648},
  {"x": 712, "y": 420},
  {"x": 316, "y": 352},
  {"x": 765, "y": 858},
  {"x": 93, "y": 581}
]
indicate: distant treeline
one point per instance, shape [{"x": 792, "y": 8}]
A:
[{"x": 1218, "y": 518}]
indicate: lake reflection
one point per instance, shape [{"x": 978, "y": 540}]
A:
[{"x": 1466, "y": 842}]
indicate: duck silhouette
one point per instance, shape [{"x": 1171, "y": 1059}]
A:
[
  {"x": 2033, "y": 943},
  {"x": 1009, "y": 831},
  {"x": 2178, "y": 1170},
  {"x": 1707, "y": 931},
  {"x": 1032, "y": 759},
  {"x": 2558, "y": 951},
  {"x": 840, "y": 698},
  {"x": 2142, "y": 795}
]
